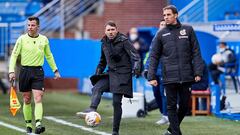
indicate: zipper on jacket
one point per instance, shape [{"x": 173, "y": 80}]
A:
[{"x": 179, "y": 72}]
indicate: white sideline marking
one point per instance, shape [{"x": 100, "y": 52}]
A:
[
  {"x": 14, "y": 127},
  {"x": 63, "y": 122}
]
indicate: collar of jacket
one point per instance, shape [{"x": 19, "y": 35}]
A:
[
  {"x": 178, "y": 25},
  {"x": 119, "y": 38}
]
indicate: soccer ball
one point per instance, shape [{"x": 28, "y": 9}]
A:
[
  {"x": 93, "y": 119},
  {"x": 217, "y": 58}
]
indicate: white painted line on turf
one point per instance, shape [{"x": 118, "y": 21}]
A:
[
  {"x": 63, "y": 122},
  {"x": 14, "y": 127}
]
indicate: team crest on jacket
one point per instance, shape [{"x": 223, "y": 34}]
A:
[{"x": 183, "y": 32}]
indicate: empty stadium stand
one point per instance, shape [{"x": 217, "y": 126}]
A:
[
  {"x": 55, "y": 16},
  {"x": 208, "y": 10}
]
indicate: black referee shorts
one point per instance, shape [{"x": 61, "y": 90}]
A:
[{"x": 31, "y": 77}]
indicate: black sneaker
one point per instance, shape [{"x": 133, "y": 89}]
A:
[
  {"x": 29, "y": 130},
  {"x": 39, "y": 129},
  {"x": 84, "y": 113}
]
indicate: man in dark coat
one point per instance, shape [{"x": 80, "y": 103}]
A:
[
  {"x": 177, "y": 47},
  {"x": 139, "y": 44},
  {"x": 123, "y": 61}
]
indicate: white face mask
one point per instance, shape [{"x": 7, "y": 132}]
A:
[
  {"x": 221, "y": 50},
  {"x": 133, "y": 37}
]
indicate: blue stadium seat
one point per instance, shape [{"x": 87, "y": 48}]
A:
[
  {"x": 18, "y": 10},
  {"x": 32, "y": 8},
  {"x": 234, "y": 74},
  {"x": 11, "y": 18}
]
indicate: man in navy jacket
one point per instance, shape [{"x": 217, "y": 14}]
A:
[{"x": 177, "y": 48}]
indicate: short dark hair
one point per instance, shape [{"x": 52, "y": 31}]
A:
[
  {"x": 171, "y": 7},
  {"x": 31, "y": 18},
  {"x": 111, "y": 23},
  {"x": 223, "y": 43}
]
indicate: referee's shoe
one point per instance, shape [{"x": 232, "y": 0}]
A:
[
  {"x": 29, "y": 130},
  {"x": 39, "y": 129}
]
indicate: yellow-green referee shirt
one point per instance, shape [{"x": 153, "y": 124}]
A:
[{"x": 32, "y": 51}]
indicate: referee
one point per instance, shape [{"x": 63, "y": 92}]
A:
[{"x": 32, "y": 47}]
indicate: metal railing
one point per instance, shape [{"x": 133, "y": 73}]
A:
[
  {"x": 193, "y": 12},
  {"x": 60, "y": 14},
  {"x": 206, "y": 10},
  {"x": 55, "y": 17}
]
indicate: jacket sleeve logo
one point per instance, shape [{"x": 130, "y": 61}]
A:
[{"x": 166, "y": 34}]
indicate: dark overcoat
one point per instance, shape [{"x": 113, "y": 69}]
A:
[{"x": 121, "y": 57}]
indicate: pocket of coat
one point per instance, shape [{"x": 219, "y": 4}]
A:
[{"x": 124, "y": 79}]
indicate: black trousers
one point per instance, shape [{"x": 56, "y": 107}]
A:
[
  {"x": 103, "y": 86},
  {"x": 117, "y": 111},
  {"x": 158, "y": 93},
  {"x": 3, "y": 87},
  {"x": 215, "y": 73},
  {"x": 177, "y": 94}
]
